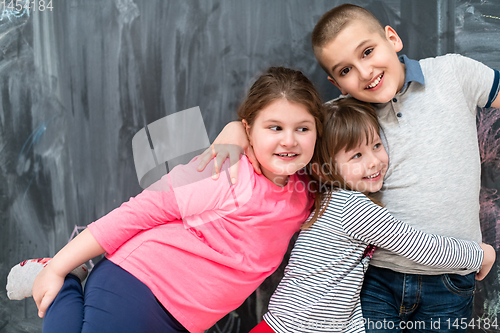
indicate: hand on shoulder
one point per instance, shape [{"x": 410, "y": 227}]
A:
[{"x": 231, "y": 142}]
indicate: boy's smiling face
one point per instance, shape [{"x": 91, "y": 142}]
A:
[{"x": 364, "y": 64}]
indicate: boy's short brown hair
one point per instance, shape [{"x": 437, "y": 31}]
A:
[{"x": 336, "y": 20}]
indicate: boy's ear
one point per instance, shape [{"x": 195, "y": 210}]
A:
[
  {"x": 393, "y": 37},
  {"x": 332, "y": 80}
]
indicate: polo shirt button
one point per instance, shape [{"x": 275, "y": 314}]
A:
[
  {"x": 399, "y": 115},
  {"x": 395, "y": 100}
]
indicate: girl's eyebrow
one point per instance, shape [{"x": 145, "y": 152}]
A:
[{"x": 279, "y": 121}]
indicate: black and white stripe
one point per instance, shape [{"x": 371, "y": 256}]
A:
[{"x": 323, "y": 279}]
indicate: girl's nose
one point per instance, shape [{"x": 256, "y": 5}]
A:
[
  {"x": 374, "y": 162},
  {"x": 288, "y": 139}
]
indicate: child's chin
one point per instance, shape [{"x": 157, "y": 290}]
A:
[
  {"x": 286, "y": 170},
  {"x": 367, "y": 189}
]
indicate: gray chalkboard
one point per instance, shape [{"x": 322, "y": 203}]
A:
[{"x": 80, "y": 79}]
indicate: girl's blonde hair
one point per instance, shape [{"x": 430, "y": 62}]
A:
[{"x": 348, "y": 123}]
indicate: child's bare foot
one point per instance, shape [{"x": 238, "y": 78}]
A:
[{"x": 21, "y": 277}]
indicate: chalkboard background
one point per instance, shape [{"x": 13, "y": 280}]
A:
[{"x": 77, "y": 81}]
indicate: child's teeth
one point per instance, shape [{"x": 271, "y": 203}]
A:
[
  {"x": 374, "y": 83},
  {"x": 286, "y": 155}
]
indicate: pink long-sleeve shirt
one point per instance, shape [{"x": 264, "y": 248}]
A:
[{"x": 203, "y": 246}]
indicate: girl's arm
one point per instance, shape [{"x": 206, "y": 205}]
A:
[
  {"x": 365, "y": 221},
  {"x": 147, "y": 210},
  {"x": 231, "y": 142},
  {"x": 182, "y": 194},
  {"x": 50, "y": 280}
]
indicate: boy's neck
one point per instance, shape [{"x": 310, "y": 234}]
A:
[{"x": 403, "y": 79}]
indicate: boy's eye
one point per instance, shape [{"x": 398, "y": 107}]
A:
[
  {"x": 344, "y": 71},
  {"x": 367, "y": 52}
]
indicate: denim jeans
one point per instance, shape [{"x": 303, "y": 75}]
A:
[{"x": 397, "y": 302}]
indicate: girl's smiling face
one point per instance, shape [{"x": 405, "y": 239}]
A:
[
  {"x": 363, "y": 168},
  {"x": 283, "y": 136}
]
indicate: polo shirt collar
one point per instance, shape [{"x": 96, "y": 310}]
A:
[{"x": 413, "y": 71}]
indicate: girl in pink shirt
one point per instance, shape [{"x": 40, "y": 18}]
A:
[{"x": 188, "y": 250}]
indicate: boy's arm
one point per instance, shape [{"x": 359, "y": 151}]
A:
[
  {"x": 496, "y": 102},
  {"x": 232, "y": 142},
  {"x": 494, "y": 93},
  {"x": 50, "y": 280},
  {"x": 488, "y": 261}
]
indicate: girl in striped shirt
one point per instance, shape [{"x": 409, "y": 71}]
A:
[{"x": 320, "y": 291}]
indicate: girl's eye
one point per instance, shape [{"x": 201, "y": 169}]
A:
[
  {"x": 275, "y": 128},
  {"x": 358, "y": 155},
  {"x": 367, "y": 52},
  {"x": 303, "y": 129},
  {"x": 377, "y": 145},
  {"x": 344, "y": 71}
]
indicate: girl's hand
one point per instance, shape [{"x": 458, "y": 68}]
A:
[
  {"x": 45, "y": 289},
  {"x": 488, "y": 261},
  {"x": 50, "y": 280},
  {"x": 232, "y": 142}
]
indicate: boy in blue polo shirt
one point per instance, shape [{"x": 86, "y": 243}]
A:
[{"x": 427, "y": 110}]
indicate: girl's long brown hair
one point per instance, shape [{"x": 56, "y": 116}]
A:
[{"x": 348, "y": 123}]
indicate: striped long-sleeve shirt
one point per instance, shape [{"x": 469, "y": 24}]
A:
[{"x": 323, "y": 279}]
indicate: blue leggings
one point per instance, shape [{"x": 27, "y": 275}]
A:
[{"x": 114, "y": 301}]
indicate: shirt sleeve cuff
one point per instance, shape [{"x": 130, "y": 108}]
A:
[{"x": 494, "y": 89}]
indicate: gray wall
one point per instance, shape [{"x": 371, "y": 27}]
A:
[{"x": 77, "y": 82}]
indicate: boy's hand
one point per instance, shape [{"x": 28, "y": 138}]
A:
[
  {"x": 488, "y": 261},
  {"x": 232, "y": 142},
  {"x": 45, "y": 289}
]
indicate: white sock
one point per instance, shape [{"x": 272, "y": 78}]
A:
[{"x": 21, "y": 277}]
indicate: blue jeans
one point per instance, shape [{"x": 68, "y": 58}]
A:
[
  {"x": 397, "y": 302},
  {"x": 114, "y": 301}
]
